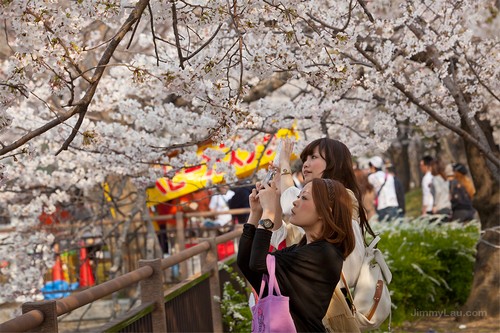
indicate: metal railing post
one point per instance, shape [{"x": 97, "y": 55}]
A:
[
  {"x": 49, "y": 310},
  {"x": 181, "y": 243},
  {"x": 152, "y": 291},
  {"x": 210, "y": 263}
]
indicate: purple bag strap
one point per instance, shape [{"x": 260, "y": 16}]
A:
[{"x": 271, "y": 278}]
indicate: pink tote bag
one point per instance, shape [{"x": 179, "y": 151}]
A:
[{"x": 272, "y": 313}]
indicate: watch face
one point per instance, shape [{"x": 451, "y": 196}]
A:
[{"x": 266, "y": 223}]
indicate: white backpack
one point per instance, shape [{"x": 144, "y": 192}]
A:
[{"x": 371, "y": 297}]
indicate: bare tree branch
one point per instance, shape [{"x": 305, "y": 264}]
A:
[
  {"x": 365, "y": 9},
  {"x": 176, "y": 33},
  {"x": 488, "y": 89},
  {"x": 153, "y": 33}
]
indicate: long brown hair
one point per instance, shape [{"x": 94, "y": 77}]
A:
[
  {"x": 339, "y": 167},
  {"x": 334, "y": 206}
]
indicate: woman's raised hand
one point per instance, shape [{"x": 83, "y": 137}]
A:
[
  {"x": 269, "y": 200},
  {"x": 286, "y": 153},
  {"x": 255, "y": 206}
]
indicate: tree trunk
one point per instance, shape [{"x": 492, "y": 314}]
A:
[
  {"x": 398, "y": 153},
  {"x": 484, "y": 298}
]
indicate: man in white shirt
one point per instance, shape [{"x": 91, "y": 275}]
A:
[
  {"x": 219, "y": 203},
  {"x": 427, "y": 198},
  {"x": 386, "y": 200}
]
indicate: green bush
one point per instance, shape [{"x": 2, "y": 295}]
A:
[
  {"x": 413, "y": 200},
  {"x": 236, "y": 314},
  {"x": 432, "y": 264}
]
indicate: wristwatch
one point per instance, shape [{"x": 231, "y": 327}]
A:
[
  {"x": 285, "y": 172},
  {"x": 266, "y": 223}
]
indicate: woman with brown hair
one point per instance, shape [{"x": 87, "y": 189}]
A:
[
  {"x": 306, "y": 272},
  {"x": 328, "y": 159}
]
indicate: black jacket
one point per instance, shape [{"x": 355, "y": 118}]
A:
[{"x": 306, "y": 273}]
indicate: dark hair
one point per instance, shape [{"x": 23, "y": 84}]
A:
[
  {"x": 427, "y": 159},
  {"x": 334, "y": 206},
  {"x": 339, "y": 167},
  {"x": 296, "y": 166},
  {"x": 437, "y": 169},
  {"x": 459, "y": 167}
]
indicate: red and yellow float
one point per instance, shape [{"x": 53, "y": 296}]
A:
[{"x": 191, "y": 179}]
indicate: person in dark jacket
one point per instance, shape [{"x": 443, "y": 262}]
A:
[{"x": 309, "y": 271}]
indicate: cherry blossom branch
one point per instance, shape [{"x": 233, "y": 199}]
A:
[
  {"x": 19, "y": 87},
  {"x": 234, "y": 19},
  {"x": 82, "y": 105},
  {"x": 462, "y": 105},
  {"x": 133, "y": 32},
  {"x": 65, "y": 48},
  {"x": 488, "y": 89},
  {"x": 464, "y": 134},
  {"x": 204, "y": 44},
  {"x": 366, "y": 11},
  {"x": 153, "y": 34},
  {"x": 336, "y": 30},
  {"x": 176, "y": 34}
]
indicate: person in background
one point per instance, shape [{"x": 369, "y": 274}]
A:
[
  {"x": 427, "y": 199},
  {"x": 386, "y": 200},
  {"x": 219, "y": 203},
  {"x": 297, "y": 176},
  {"x": 461, "y": 175},
  {"x": 440, "y": 190},
  {"x": 461, "y": 202},
  {"x": 309, "y": 271},
  {"x": 400, "y": 191},
  {"x": 367, "y": 192},
  {"x": 240, "y": 200},
  {"x": 165, "y": 225}
]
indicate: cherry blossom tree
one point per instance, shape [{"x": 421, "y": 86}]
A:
[{"x": 91, "y": 90}]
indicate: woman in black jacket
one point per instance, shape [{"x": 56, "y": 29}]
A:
[{"x": 309, "y": 271}]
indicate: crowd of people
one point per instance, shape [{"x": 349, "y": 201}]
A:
[{"x": 447, "y": 192}]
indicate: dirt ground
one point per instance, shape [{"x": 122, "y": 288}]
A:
[{"x": 450, "y": 325}]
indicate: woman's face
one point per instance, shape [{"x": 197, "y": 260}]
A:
[
  {"x": 304, "y": 212},
  {"x": 313, "y": 166}
]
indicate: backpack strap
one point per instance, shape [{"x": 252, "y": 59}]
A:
[
  {"x": 349, "y": 295},
  {"x": 373, "y": 243},
  {"x": 379, "y": 258}
]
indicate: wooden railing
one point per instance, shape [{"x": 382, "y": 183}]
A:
[{"x": 158, "y": 311}]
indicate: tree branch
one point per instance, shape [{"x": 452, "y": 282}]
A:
[
  {"x": 82, "y": 105},
  {"x": 153, "y": 34},
  {"x": 176, "y": 34},
  {"x": 465, "y": 135}
]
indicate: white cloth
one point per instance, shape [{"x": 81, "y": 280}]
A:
[
  {"x": 387, "y": 196},
  {"x": 218, "y": 203},
  {"x": 441, "y": 192},
  {"x": 427, "y": 199},
  {"x": 352, "y": 264}
]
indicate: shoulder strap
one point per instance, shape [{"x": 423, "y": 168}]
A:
[
  {"x": 380, "y": 189},
  {"x": 373, "y": 243},
  {"x": 271, "y": 268},
  {"x": 349, "y": 295}
]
